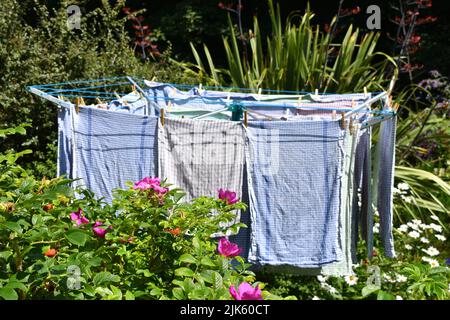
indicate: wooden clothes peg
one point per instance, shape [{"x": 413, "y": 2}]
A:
[
  {"x": 161, "y": 117},
  {"x": 77, "y": 104},
  {"x": 245, "y": 118},
  {"x": 350, "y": 125},
  {"x": 342, "y": 120}
]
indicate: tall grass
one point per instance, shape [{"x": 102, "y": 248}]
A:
[{"x": 298, "y": 56}]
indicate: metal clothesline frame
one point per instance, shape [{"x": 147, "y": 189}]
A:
[{"x": 53, "y": 93}]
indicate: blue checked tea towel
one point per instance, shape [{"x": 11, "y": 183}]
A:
[
  {"x": 384, "y": 182},
  {"x": 112, "y": 148},
  {"x": 294, "y": 176}
]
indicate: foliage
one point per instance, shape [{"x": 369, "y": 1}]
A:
[
  {"x": 297, "y": 58},
  {"x": 418, "y": 272},
  {"x": 44, "y": 51},
  {"x": 147, "y": 244}
]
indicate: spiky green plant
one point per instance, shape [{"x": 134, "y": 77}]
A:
[{"x": 297, "y": 56}]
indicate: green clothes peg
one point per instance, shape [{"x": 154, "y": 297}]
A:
[{"x": 237, "y": 111}]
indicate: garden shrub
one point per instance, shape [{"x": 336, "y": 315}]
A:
[
  {"x": 147, "y": 244},
  {"x": 44, "y": 50}
]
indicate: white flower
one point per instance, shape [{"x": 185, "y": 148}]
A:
[
  {"x": 322, "y": 279},
  {"x": 398, "y": 298},
  {"x": 426, "y": 259},
  {"x": 416, "y": 221},
  {"x": 328, "y": 287},
  {"x": 388, "y": 278},
  {"x": 316, "y": 298},
  {"x": 431, "y": 251},
  {"x": 403, "y": 228},
  {"x": 414, "y": 234},
  {"x": 376, "y": 228},
  {"x": 440, "y": 237},
  {"x": 351, "y": 280},
  {"x": 401, "y": 278},
  {"x": 403, "y": 186},
  {"x": 433, "y": 263},
  {"x": 435, "y": 227},
  {"x": 424, "y": 240},
  {"x": 434, "y": 218},
  {"x": 413, "y": 226},
  {"x": 408, "y": 247},
  {"x": 395, "y": 190},
  {"x": 407, "y": 199}
]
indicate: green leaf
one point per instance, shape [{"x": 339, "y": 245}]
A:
[
  {"x": 8, "y": 293},
  {"x": 36, "y": 219},
  {"x": 206, "y": 261},
  {"x": 77, "y": 237},
  {"x": 382, "y": 295},
  {"x": 103, "y": 291},
  {"x": 5, "y": 254},
  {"x": 369, "y": 289},
  {"x": 188, "y": 258},
  {"x": 184, "y": 272},
  {"x": 196, "y": 243},
  {"x": 105, "y": 277},
  {"x": 145, "y": 272},
  {"x": 217, "y": 281},
  {"x": 129, "y": 295},
  {"x": 14, "y": 226},
  {"x": 156, "y": 292},
  {"x": 178, "y": 293},
  {"x": 117, "y": 294}
]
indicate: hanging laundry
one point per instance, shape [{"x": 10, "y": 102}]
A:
[
  {"x": 111, "y": 148},
  {"x": 294, "y": 175},
  {"x": 65, "y": 143},
  {"x": 385, "y": 165},
  {"x": 201, "y": 157},
  {"x": 362, "y": 207}
]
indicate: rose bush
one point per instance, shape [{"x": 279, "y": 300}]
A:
[{"x": 147, "y": 244}]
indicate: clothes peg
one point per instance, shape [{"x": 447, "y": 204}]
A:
[
  {"x": 245, "y": 118},
  {"x": 299, "y": 101},
  {"x": 228, "y": 97},
  {"x": 259, "y": 94},
  {"x": 98, "y": 100},
  {"x": 365, "y": 93},
  {"x": 82, "y": 101},
  {"x": 333, "y": 114},
  {"x": 343, "y": 120},
  {"x": 316, "y": 93},
  {"x": 117, "y": 95},
  {"x": 133, "y": 88},
  {"x": 200, "y": 88},
  {"x": 77, "y": 105},
  {"x": 350, "y": 125},
  {"x": 161, "y": 116}
]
